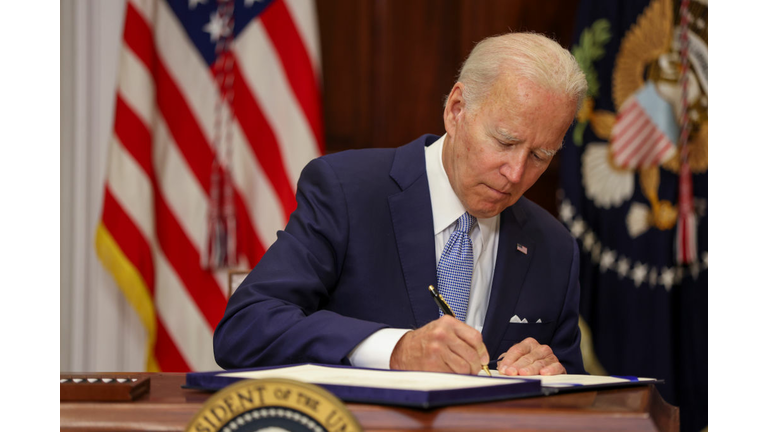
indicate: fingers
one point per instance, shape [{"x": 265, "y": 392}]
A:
[
  {"x": 530, "y": 358},
  {"x": 553, "y": 369},
  {"x": 444, "y": 345},
  {"x": 473, "y": 339},
  {"x": 506, "y": 364},
  {"x": 445, "y": 351},
  {"x": 456, "y": 363},
  {"x": 459, "y": 346}
]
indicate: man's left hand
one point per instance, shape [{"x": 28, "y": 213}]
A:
[{"x": 529, "y": 358}]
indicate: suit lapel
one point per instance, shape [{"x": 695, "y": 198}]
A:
[
  {"x": 411, "y": 212},
  {"x": 509, "y": 274}
]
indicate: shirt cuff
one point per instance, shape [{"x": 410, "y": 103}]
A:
[{"x": 375, "y": 350}]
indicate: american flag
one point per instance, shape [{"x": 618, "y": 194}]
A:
[
  {"x": 645, "y": 131},
  {"x": 217, "y": 111}
]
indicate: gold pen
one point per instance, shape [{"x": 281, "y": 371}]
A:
[{"x": 443, "y": 305}]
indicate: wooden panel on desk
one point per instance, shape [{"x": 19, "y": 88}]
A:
[
  {"x": 101, "y": 388},
  {"x": 168, "y": 407}
]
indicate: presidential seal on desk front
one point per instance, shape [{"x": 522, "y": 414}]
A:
[{"x": 273, "y": 405}]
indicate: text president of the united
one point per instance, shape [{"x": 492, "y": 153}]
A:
[{"x": 347, "y": 281}]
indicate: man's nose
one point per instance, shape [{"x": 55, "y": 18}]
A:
[{"x": 513, "y": 168}]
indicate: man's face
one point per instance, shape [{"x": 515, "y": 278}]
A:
[{"x": 498, "y": 149}]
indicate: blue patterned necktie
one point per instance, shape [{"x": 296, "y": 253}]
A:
[{"x": 454, "y": 271}]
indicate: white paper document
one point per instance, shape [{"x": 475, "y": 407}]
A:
[
  {"x": 403, "y": 380},
  {"x": 570, "y": 380}
]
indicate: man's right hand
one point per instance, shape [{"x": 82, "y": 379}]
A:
[{"x": 443, "y": 345}]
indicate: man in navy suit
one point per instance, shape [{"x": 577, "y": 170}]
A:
[{"x": 347, "y": 281}]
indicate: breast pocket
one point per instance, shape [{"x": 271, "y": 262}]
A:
[{"x": 516, "y": 332}]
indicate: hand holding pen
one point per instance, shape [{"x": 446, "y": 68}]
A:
[
  {"x": 443, "y": 305},
  {"x": 443, "y": 345},
  {"x": 525, "y": 358}
]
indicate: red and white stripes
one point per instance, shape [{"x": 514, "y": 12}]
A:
[
  {"x": 636, "y": 142},
  {"x": 162, "y": 157}
]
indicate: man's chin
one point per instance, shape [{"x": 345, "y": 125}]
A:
[{"x": 486, "y": 210}]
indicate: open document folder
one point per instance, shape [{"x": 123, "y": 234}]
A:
[
  {"x": 574, "y": 382},
  {"x": 408, "y": 388}
]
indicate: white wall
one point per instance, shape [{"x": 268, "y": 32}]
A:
[{"x": 99, "y": 330}]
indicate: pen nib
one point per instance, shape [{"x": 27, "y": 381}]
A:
[{"x": 485, "y": 368}]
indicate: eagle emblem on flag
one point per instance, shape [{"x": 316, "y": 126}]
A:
[
  {"x": 633, "y": 193},
  {"x": 642, "y": 136}
]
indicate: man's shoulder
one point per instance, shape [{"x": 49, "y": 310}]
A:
[
  {"x": 361, "y": 167},
  {"x": 355, "y": 157},
  {"x": 375, "y": 160}
]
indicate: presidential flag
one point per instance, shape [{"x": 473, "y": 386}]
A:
[
  {"x": 634, "y": 192},
  {"x": 217, "y": 112}
]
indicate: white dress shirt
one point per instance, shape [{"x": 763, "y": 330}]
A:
[{"x": 376, "y": 350}]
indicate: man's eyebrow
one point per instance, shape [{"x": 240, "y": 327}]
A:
[
  {"x": 508, "y": 137},
  {"x": 549, "y": 153}
]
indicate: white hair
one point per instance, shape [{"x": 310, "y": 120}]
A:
[{"x": 531, "y": 56}]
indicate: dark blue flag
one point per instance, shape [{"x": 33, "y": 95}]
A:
[{"x": 620, "y": 197}]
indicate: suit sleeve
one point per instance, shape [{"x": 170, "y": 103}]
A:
[
  {"x": 567, "y": 338},
  {"x": 276, "y": 316}
]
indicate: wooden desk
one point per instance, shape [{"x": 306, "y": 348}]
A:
[{"x": 168, "y": 407}]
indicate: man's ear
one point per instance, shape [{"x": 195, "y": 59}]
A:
[{"x": 455, "y": 107}]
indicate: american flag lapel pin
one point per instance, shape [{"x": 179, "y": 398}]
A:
[{"x": 522, "y": 248}]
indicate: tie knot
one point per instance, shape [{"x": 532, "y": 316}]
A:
[{"x": 466, "y": 222}]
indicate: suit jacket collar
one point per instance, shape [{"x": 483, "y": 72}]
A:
[
  {"x": 411, "y": 213},
  {"x": 509, "y": 274},
  {"x": 409, "y": 164}
]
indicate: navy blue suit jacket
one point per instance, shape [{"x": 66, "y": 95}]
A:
[{"x": 358, "y": 255}]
